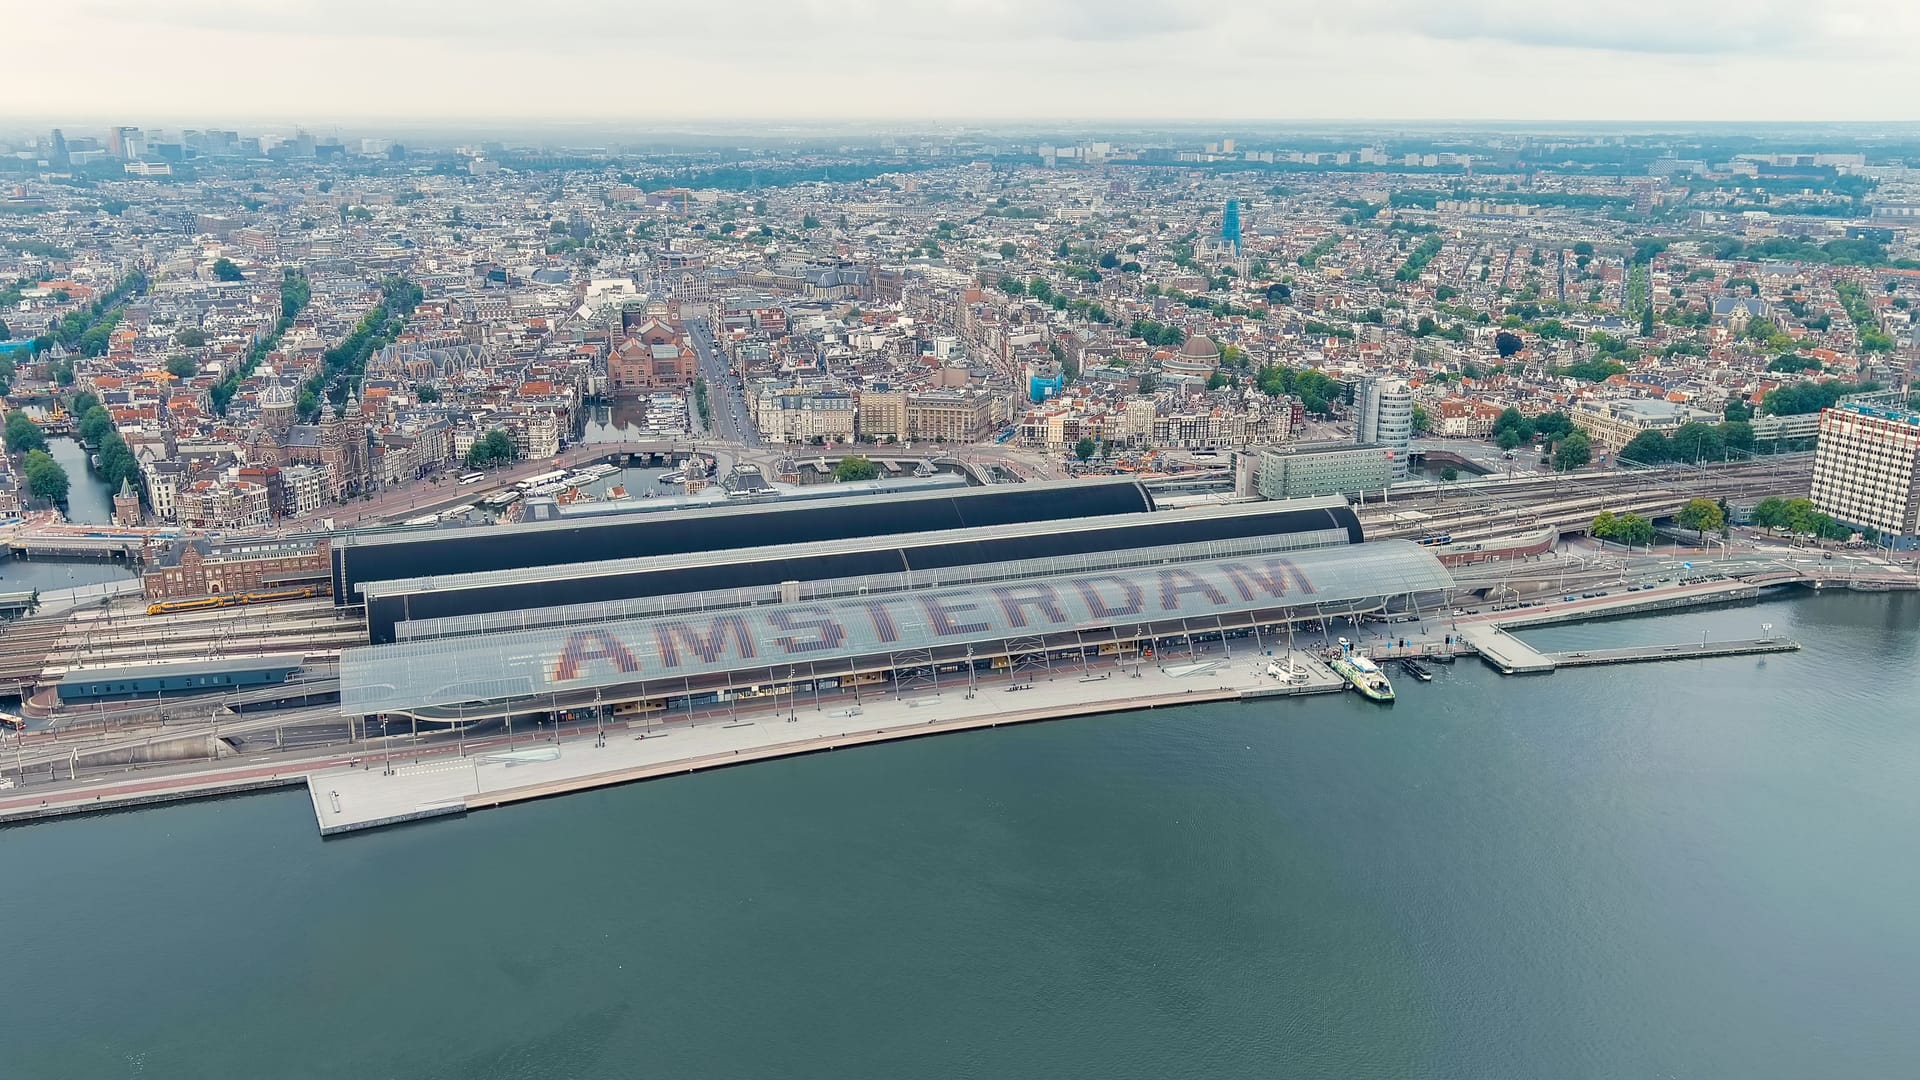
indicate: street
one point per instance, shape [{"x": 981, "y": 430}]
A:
[{"x": 726, "y": 395}]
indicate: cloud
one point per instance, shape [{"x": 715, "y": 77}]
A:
[
  {"x": 1043, "y": 59},
  {"x": 1665, "y": 27},
  {"x": 713, "y": 24}
]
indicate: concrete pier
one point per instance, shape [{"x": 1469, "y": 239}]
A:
[
  {"x": 1506, "y": 653},
  {"x": 368, "y": 796},
  {"x": 1688, "y": 651}
]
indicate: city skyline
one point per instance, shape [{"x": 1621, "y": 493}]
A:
[{"x": 1139, "y": 60}]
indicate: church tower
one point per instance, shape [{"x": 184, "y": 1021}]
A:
[{"x": 277, "y": 410}]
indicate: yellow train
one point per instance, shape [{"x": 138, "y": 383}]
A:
[{"x": 209, "y": 603}]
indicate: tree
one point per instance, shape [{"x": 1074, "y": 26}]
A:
[
  {"x": 1449, "y": 474},
  {"x": 496, "y": 447},
  {"x": 1770, "y": 513},
  {"x": 224, "y": 270},
  {"x": 855, "y": 467},
  {"x": 182, "y": 367},
  {"x": 191, "y": 337},
  {"x": 425, "y": 394},
  {"x": 5, "y": 333},
  {"x": 1629, "y": 529},
  {"x": 1702, "y": 516},
  {"x": 1738, "y": 410},
  {"x": 46, "y": 480},
  {"x": 23, "y": 435},
  {"x": 1149, "y": 383},
  {"x": 1648, "y": 448},
  {"x": 1553, "y": 425},
  {"x": 808, "y": 221},
  {"x": 1040, "y": 290},
  {"x": 1109, "y": 260},
  {"x": 1511, "y": 420},
  {"x": 1011, "y": 285},
  {"x": 1422, "y": 420},
  {"x": 1573, "y": 452},
  {"x": 1084, "y": 449},
  {"x": 1508, "y": 343},
  {"x": 1063, "y": 251},
  {"x": 1508, "y": 439},
  {"x": 95, "y": 423},
  {"x": 1425, "y": 327},
  {"x": 1008, "y": 251},
  {"x": 1697, "y": 442}
]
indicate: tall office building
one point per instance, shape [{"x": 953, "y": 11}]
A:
[
  {"x": 1383, "y": 414},
  {"x": 1230, "y": 225},
  {"x": 1866, "y": 470},
  {"x": 59, "y": 155},
  {"x": 126, "y": 143}
]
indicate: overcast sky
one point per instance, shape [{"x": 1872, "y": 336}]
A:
[{"x": 207, "y": 61}]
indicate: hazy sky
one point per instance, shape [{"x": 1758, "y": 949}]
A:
[{"x": 205, "y": 61}]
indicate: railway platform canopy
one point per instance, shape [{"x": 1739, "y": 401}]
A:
[
  {"x": 1019, "y": 621},
  {"x": 459, "y": 603}
]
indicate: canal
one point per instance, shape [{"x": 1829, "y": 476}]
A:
[{"x": 88, "y": 499}]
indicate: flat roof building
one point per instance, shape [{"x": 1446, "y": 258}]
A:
[
  {"x": 1866, "y": 471},
  {"x": 1613, "y": 424},
  {"x": 1307, "y": 472}
]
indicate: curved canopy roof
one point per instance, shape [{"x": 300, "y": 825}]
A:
[{"x": 690, "y": 645}]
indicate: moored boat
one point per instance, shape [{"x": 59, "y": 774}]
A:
[{"x": 1363, "y": 675}]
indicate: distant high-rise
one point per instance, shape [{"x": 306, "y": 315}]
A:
[
  {"x": 1383, "y": 413},
  {"x": 59, "y": 156},
  {"x": 1230, "y": 225},
  {"x": 126, "y": 143}
]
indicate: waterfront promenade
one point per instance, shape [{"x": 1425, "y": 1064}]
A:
[
  {"x": 437, "y": 779},
  {"x": 352, "y": 789}
]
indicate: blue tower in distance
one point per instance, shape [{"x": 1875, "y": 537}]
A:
[{"x": 1230, "y": 225}]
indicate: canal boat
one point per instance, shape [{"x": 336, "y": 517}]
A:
[{"x": 1416, "y": 669}]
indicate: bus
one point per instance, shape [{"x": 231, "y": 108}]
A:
[{"x": 472, "y": 478}]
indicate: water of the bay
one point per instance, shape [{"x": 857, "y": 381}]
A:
[{"x": 1695, "y": 869}]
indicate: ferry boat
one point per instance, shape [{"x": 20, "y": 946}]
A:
[{"x": 1364, "y": 675}]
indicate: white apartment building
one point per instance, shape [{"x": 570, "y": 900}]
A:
[{"x": 1866, "y": 471}]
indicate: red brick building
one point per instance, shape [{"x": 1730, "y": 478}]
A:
[{"x": 199, "y": 567}]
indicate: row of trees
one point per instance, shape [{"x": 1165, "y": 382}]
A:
[
  {"x": 87, "y": 330},
  {"x": 1799, "y": 516},
  {"x": 1693, "y": 442},
  {"x": 342, "y": 365},
  {"x": 294, "y": 294},
  {"x": 1630, "y": 529},
  {"x": 1798, "y": 398},
  {"x": 117, "y": 463}
]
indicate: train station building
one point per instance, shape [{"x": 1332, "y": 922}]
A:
[{"x": 889, "y": 632}]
